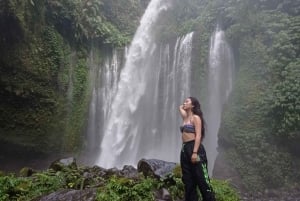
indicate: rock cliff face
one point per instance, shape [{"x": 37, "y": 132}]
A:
[
  {"x": 225, "y": 171},
  {"x": 44, "y": 74}
]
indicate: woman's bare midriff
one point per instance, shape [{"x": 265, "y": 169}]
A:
[{"x": 188, "y": 137}]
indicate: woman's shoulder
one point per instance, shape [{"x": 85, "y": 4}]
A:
[{"x": 196, "y": 118}]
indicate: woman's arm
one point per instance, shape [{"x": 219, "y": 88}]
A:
[
  {"x": 197, "y": 123},
  {"x": 182, "y": 112}
]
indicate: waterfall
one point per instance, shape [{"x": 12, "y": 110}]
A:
[
  {"x": 221, "y": 66},
  {"x": 104, "y": 79},
  {"x": 140, "y": 116},
  {"x": 134, "y": 108}
]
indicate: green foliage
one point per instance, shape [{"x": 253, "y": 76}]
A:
[
  {"x": 223, "y": 191},
  {"x": 123, "y": 14},
  {"x": 187, "y": 16},
  {"x": 174, "y": 184},
  {"x": 29, "y": 16},
  {"x": 85, "y": 21},
  {"x": 246, "y": 126},
  {"x": 47, "y": 182},
  {"x": 177, "y": 171},
  {"x": 260, "y": 121},
  {"x": 77, "y": 106},
  {"x": 143, "y": 189},
  {"x": 53, "y": 52},
  {"x": 25, "y": 188},
  {"x": 41, "y": 81},
  {"x": 80, "y": 79},
  {"x": 13, "y": 188},
  {"x": 114, "y": 188},
  {"x": 286, "y": 102},
  {"x": 30, "y": 89},
  {"x": 119, "y": 189}
]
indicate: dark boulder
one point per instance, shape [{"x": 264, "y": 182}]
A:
[
  {"x": 155, "y": 168},
  {"x": 129, "y": 171},
  {"x": 59, "y": 164},
  {"x": 70, "y": 195},
  {"x": 163, "y": 195},
  {"x": 27, "y": 172}
]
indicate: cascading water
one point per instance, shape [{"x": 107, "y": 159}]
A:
[
  {"x": 134, "y": 108},
  {"x": 105, "y": 79},
  {"x": 142, "y": 118},
  {"x": 220, "y": 75}
]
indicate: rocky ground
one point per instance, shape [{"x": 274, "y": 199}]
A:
[
  {"x": 273, "y": 195},
  {"x": 292, "y": 194}
]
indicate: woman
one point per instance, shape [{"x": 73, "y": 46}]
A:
[{"x": 193, "y": 156}]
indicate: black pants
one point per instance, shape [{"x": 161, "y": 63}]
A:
[{"x": 195, "y": 175}]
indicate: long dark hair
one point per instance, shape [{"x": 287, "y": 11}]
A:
[{"x": 197, "y": 111}]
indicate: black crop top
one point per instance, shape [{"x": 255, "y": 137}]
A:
[{"x": 188, "y": 128}]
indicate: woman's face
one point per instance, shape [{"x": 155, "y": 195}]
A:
[{"x": 187, "y": 104}]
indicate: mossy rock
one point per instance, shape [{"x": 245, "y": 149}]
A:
[
  {"x": 60, "y": 164},
  {"x": 26, "y": 172}
]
